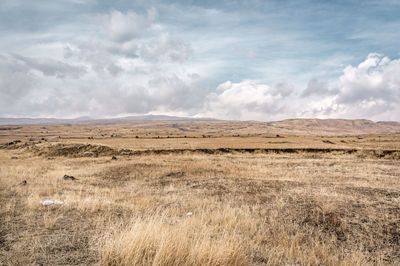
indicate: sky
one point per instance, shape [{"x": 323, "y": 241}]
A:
[{"x": 240, "y": 60}]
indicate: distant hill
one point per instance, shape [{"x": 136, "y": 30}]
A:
[
  {"x": 335, "y": 126},
  {"x": 33, "y": 121},
  {"x": 289, "y": 126},
  {"x": 92, "y": 121}
]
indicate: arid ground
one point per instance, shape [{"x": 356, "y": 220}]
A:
[{"x": 198, "y": 193}]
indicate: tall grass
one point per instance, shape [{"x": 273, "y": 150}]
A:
[{"x": 154, "y": 241}]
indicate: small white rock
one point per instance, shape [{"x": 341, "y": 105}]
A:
[
  {"x": 189, "y": 213},
  {"x": 51, "y": 202}
]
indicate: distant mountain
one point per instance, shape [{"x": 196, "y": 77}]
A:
[
  {"x": 289, "y": 126},
  {"x": 33, "y": 121},
  {"x": 335, "y": 126},
  {"x": 163, "y": 118},
  {"x": 92, "y": 121}
]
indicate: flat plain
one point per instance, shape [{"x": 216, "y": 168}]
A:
[{"x": 200, "y": 193}]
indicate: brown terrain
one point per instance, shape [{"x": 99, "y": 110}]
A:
[{"x": 305, "y": 191}]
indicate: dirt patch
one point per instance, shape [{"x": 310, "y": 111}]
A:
[
  {"x": 89, "y": 150},
  {"x": 326, "y": 221},
  {"x": 384, "y": 154},
  {"x": 75, "y": 150},
  {"x": 10, "y": 128}
]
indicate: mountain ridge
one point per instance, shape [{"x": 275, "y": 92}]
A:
[
  {"x": 313, "y": 126},
  {"x": 86, "y": 119}
]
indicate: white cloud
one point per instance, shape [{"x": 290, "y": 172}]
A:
[
  {"x": 375, "y": 78},
  {"x": 126, "y": 26},
  {"x": 15, "y": 82},
  {"x": 30, "y": 87},
  {"x": 318, "y": 88},
  {"x": 128, "y": 65},
  {"x": 246, "y": 100},
  {"x": 166, "y": 47},
  {"x": 51, "y": 67},
  {"x": 126, "y": 49},
  {"x": 370, "y": 90}
]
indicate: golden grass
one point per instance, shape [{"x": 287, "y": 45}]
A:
[
  {"x": 247, "y": 209},
  {"x": 153, "y": 241}
]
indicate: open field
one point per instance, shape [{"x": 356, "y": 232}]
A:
[{"x": 197, "y": 193}]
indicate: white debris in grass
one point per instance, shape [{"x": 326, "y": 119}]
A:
[{"x": 51, "y": 202}]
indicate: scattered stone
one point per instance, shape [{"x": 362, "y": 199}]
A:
[
  {"x": 175, "y": 174},
  {"x": 189, "y": 214},
  {"x": 90, "y": 154},
  {"x": 124, "y": 152},
  {"x": 14, "y": 157},
  {"x": 69, "y": 177},
  {"x": 23, "y": 182},
  {"x": 113, "y": 158},
  {"x": 13, "y": 142},
  {"x": 51, "y": 202}
]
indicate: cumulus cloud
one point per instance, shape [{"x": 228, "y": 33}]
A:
[
  {"x": 126, "y": 49},
  {"x": 127, "y": 65},
  {"x": 126, "y": 26},
  {"x": 166, "y": 47},
  {"x": 283, "y": 88},
  {"x": 318, "y": 88},
  {"x": 15, "y": 81},
  {"x": 28, "y": 88},
  {"x": 120, "y": 68},
  {"x": 51, "y": 67},
  {"x": 161, "y": 94},
  {"x": 376, "y": 78},
  {"x": 369, "y": 90},
  {"x": 246, "y": 100}
]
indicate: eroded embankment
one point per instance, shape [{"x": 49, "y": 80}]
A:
[{"x": 89, "y": 150}]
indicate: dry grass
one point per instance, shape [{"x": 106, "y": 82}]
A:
[
  {"x": 157, "y": 241},
  {"x": 304, "y": 208}
]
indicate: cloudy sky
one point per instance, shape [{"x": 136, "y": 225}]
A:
[{"x": 243, "y": 60}]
